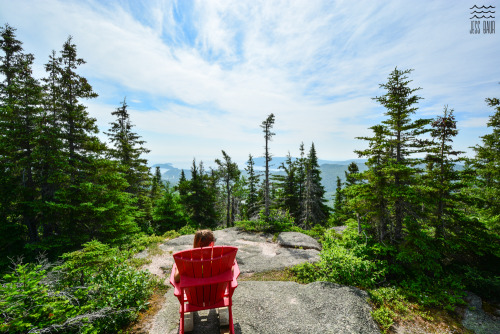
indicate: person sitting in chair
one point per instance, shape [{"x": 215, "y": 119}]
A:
[{"x": 202, "y": 238}]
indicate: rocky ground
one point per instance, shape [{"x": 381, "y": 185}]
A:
[
  {"x": 287, "y": 307},
  {"x": 269, "y": 307}
]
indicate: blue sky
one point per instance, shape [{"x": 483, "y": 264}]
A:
[{"x": 201, "y": 76}]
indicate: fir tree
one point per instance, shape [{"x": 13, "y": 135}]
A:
[
  {"x": 229, "y": 173},
  {"x": 290, "y": 200},
  {"x": 53, "y": 158},
  {"x": 156, "y": 185},
  {"x": 339, "y": 200},
  {"x": 128, "y": 150},
  {"x": 314, "y": 208},
  {"x": 403, "y": 138},
  {"x": 20, "y": 111},
  {"x": 370, "y": 199},
  {"x": 266, "y": 126},
  {"x": 200, "y": 198},
  {"x": 487, "y": 162},
  {"x": 442, "y": 177},
  {"x": 351, "y": 175},
  {"x": 252, "y": 200}
]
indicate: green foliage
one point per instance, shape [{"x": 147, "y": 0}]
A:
[
  {"x": 342, "y": 264},
  {"x": 187, "y": 229},
  {"x": 169, "y": 213},
  {"x": 28, "y": 300},
  {"x": 384, "y": 316},
  {"x": 94, "y": 291}
]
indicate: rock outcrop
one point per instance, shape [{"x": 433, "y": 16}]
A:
[{"x": 273, "y": 307}]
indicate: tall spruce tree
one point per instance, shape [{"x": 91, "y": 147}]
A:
[
  {"x": 370, "y": 199},
  {"x": 20, "y": 111},
  {"x": 404, "y": 139},
  {"x": 442, "y": 176},
  {"x": 200, "y": 199},
  {"x": 314, "y": 208},
  {"x": 266, "y": 126},
  {"x": 128, "y": 150},
  {"x": 53, "y": 158},
  {"x": 252, "y": 200},
  {"x": 290, "y": 200},
  {"x": 229, "y": 173},
  {"x": 487, "y": 162},
  {"x": 338, "y": 203}
]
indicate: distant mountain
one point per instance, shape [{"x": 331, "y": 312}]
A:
[
  {"x": 260, "y": 162},
  {"x": 329, "y": 170}
]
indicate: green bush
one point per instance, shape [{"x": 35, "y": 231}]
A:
[
  {"x": 384, "y": 317},
  {"x": 343, "y": 265},
  {"x": 27, "y": 300},
  {"x": 187, "y": 229},
  {"x": 94, "y": 291}
]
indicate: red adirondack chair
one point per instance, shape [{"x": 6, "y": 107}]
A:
[{"x": 207, "y": 280}]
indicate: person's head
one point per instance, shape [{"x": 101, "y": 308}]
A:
[{"x": 203, "y": 238}]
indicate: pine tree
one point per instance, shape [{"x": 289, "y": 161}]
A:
[
  {"x": 200, "y": 198},
  {"x": 156, "y": 185},
  {"x": 266, "y": 126},
  {"x": 169, "y": 213},
  {"x": 314, "y": 208},
  {"x": 370, "y": 199},
  {"x": 442, "y": 177},
  {"x": 339, "y": 200},
  {"x": 404, "y": 140},
  {"x": 20, "y": 111},
  {"x": 290, "y": 200},
  {"x": 487, "y": 162},
  {"x": 52, "y": 159},
  {"x": 229, "y": 173},
  {"x": 351, "y": 175},
  {"x": 128, "y": 151},
  {"x": 252, "y": 200}
]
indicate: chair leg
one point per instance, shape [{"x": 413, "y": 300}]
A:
[
  {"x": 231, "y": 325},
  {"x": 181, "y": 322}
]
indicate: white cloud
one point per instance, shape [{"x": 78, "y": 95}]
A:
[{"x": 215, "y": 76}]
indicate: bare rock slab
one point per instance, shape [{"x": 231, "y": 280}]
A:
[
  {"x": 476, "y": 319},
  {"x": 282, "y": 307},
  {"x": 297, "y": 240},
  {"x": 256, "y": 251}
]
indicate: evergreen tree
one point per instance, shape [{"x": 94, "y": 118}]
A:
[
  {"x": 351, "y": 175},
  {"x": 20, "y": 111},
  {"x": 339, "y": 200},
  {"x": 169, "y": 213},
  {"x": 290, "y": 200},
  {"x": 403, "y": 138},
  {"x": 128, "y": 150},
  {"x": 370, "y": 199},
  {"x": 156, "y": 185},
  {"x": 182, "y": 185},
  {"x": 314, "y": 208},
  {"x": 200, "y": 199},
  {"x": 229, "y": 173},
  {"x": 52, "y": 160},
  {"x": 266, "y": 126},
  {"x": 487, "y": 162},
  {"x": 442, "y": 177},
  {"x": 252, "y": 200}
]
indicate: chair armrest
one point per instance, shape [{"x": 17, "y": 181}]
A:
[
  {"x": 236, "y": 273},
  {"x": 177, "y": 287}
]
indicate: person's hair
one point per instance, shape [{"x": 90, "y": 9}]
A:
[{"x": 203, "y": 238}]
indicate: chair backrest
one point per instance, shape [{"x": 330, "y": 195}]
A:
[{"x": 203, "y": 263}]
